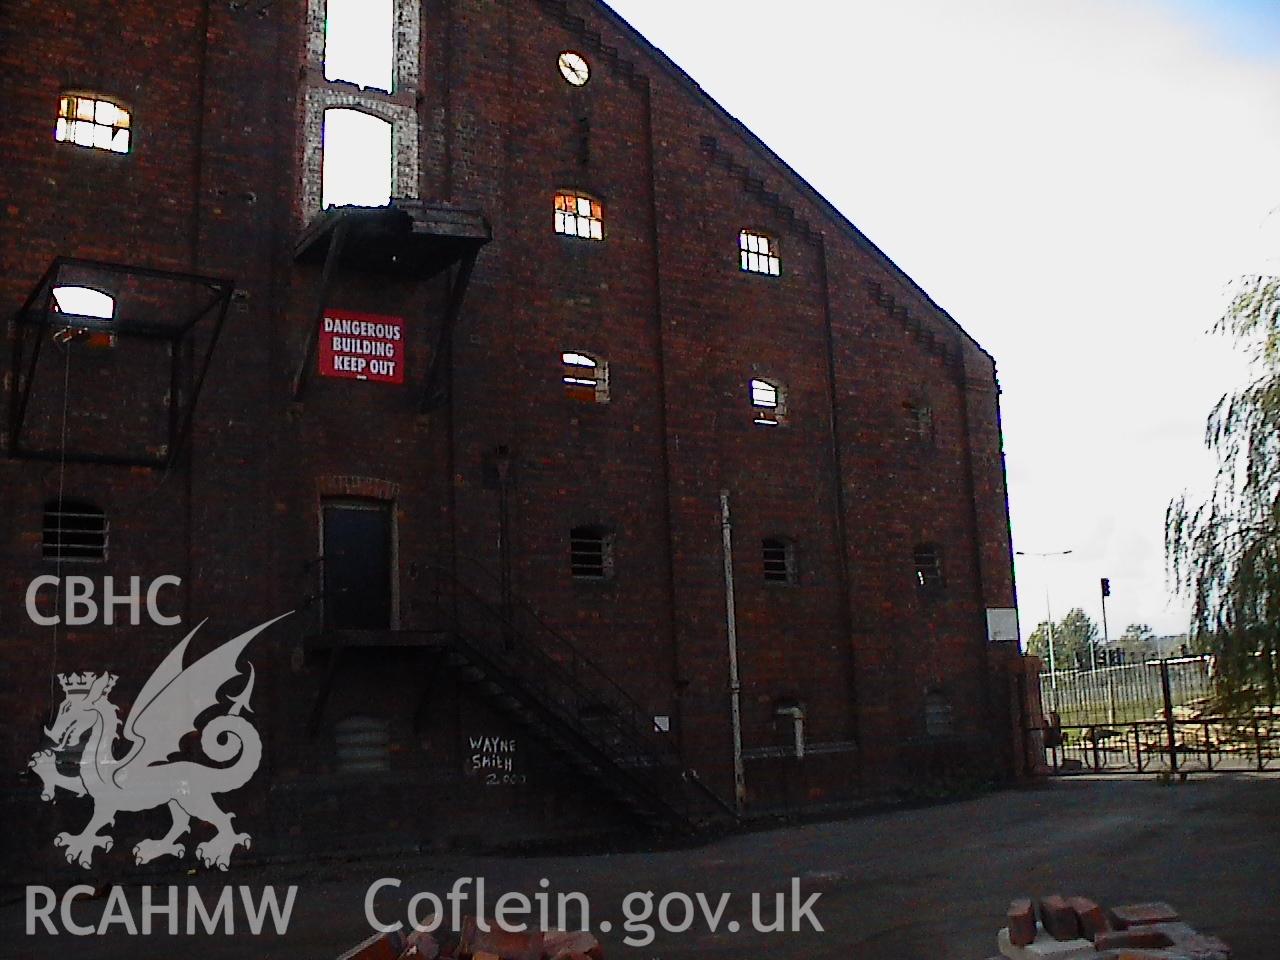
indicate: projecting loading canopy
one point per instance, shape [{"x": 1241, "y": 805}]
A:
[
  {"x": 408, "y": 239},
  {"x": 120, "y": 328}
]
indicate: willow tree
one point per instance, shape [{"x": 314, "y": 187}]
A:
[{"x": 1224, "y": 553}]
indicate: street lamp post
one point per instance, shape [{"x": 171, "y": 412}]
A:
[{"x": 1048, "y": 607}]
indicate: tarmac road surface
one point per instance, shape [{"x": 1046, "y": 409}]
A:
[{"x": 924, "y": 884}]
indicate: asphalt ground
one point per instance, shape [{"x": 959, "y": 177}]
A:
[{"x": 920, "y": 884}]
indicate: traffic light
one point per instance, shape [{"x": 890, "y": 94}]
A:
[{"x": 1106, "y": 587}]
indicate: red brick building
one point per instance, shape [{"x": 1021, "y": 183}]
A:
[{"x": 479, "y": 437}]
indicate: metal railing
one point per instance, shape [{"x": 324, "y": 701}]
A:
[
  {"x": 1202, "y": 745},
  {"x": 514, "y": 642}
]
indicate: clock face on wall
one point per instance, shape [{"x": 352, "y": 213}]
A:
[{"x": 574, "y": 69}]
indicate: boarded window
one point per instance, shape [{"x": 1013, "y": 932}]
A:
[
  {"x": 586, "y": 378},
  {"x": 578, "y": 215},
  {"x": 362, "y": 746},
  {"x": 357, "y": 160},
  {"x": 939, "y": 719},
  {"x": 73, "y": 530},
  {"x": 759, "y": 254},
  {"x": 359, "y": 42},
  {"x": 778, "y": 554},
  {"x": 928, "y": 563},
  {"x": 591, "y": 553},
  {"x": 768, "y": 402},
  {"x": 91, "y": 121}
]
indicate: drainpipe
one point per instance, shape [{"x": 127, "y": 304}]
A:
[{"x": 735, "y": 682}]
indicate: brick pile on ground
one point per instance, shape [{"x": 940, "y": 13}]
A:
[
  {"x": 472, "y": 943},
  {"x": 1066, "y": 928}
]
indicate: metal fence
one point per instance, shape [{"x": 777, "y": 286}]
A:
[
  {"x": 1131, "y": 693},
  {"x": 1151, "y": 717},
  {"x": 1205, "y": 745}
]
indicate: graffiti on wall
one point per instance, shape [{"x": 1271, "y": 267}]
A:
[{"x": 493, "y": 759}]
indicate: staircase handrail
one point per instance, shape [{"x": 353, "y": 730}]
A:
[{"x": 643, "y": 730}]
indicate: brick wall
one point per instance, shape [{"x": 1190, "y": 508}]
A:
[{"x": 225, "y": 160}]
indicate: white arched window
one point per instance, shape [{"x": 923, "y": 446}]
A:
[
  {"x": 357, "y": 159},
  {"x": 84, "y": 302},
  {"x": 93, "y": 121},
  {"x": 586, "y": 378},
  {"x": 359, "y": 42}
]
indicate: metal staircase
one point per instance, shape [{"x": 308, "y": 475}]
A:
[{"x": 537, "y": 677}]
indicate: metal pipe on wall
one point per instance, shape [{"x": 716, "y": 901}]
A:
[{"x": 735, "y": 681}]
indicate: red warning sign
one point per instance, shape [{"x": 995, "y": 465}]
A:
[{"x": 362, "y": 346}]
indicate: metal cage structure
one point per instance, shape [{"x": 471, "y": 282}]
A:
[{"x": 155, "y": 306}]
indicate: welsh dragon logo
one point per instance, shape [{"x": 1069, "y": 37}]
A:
[{"x": 165, "y": 711}]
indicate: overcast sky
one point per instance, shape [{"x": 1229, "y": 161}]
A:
[{"x": 1077, "y": 182}]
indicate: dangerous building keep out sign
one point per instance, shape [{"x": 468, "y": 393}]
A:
[{"x": 362, "y": 346}]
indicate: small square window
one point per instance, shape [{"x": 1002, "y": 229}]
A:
[
  {"x": 759, "y": 254},
  {"x": 578, "y": 215},
  {"x": 591, "y": 553}
]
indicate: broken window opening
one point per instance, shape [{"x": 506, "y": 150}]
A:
[
  {"x": 919, "y": 422},
  {"x": 759, "y": 254},
  {"x": 88, "y": 120},
  {"x": 88, "y": 312},
  {"x": 84, "y": 302},
  {"x": 779, "y": 558},
  {"x": 73, "y": 530},
  {"x": 357, "y": 159},
  {"x": 591, "y": 553},
  {"x": 359, "y": 42},
  {"x": 928, "y": 564},
  {"x": 768, "y": 402},
  {"x": 586, "y": 379},
  {"x": 578, "y": 215}
]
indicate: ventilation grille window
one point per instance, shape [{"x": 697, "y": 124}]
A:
[
  {"x": 591, "y": 553},
  {"x": 74, "y": 530},
  {"x": 779, "y": 560},
  {"x": 363, "y": 745}
]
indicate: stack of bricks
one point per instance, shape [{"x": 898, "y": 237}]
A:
[
  {"x": 472, "y": 942},
  {"x": 1067, "y": 928}
]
